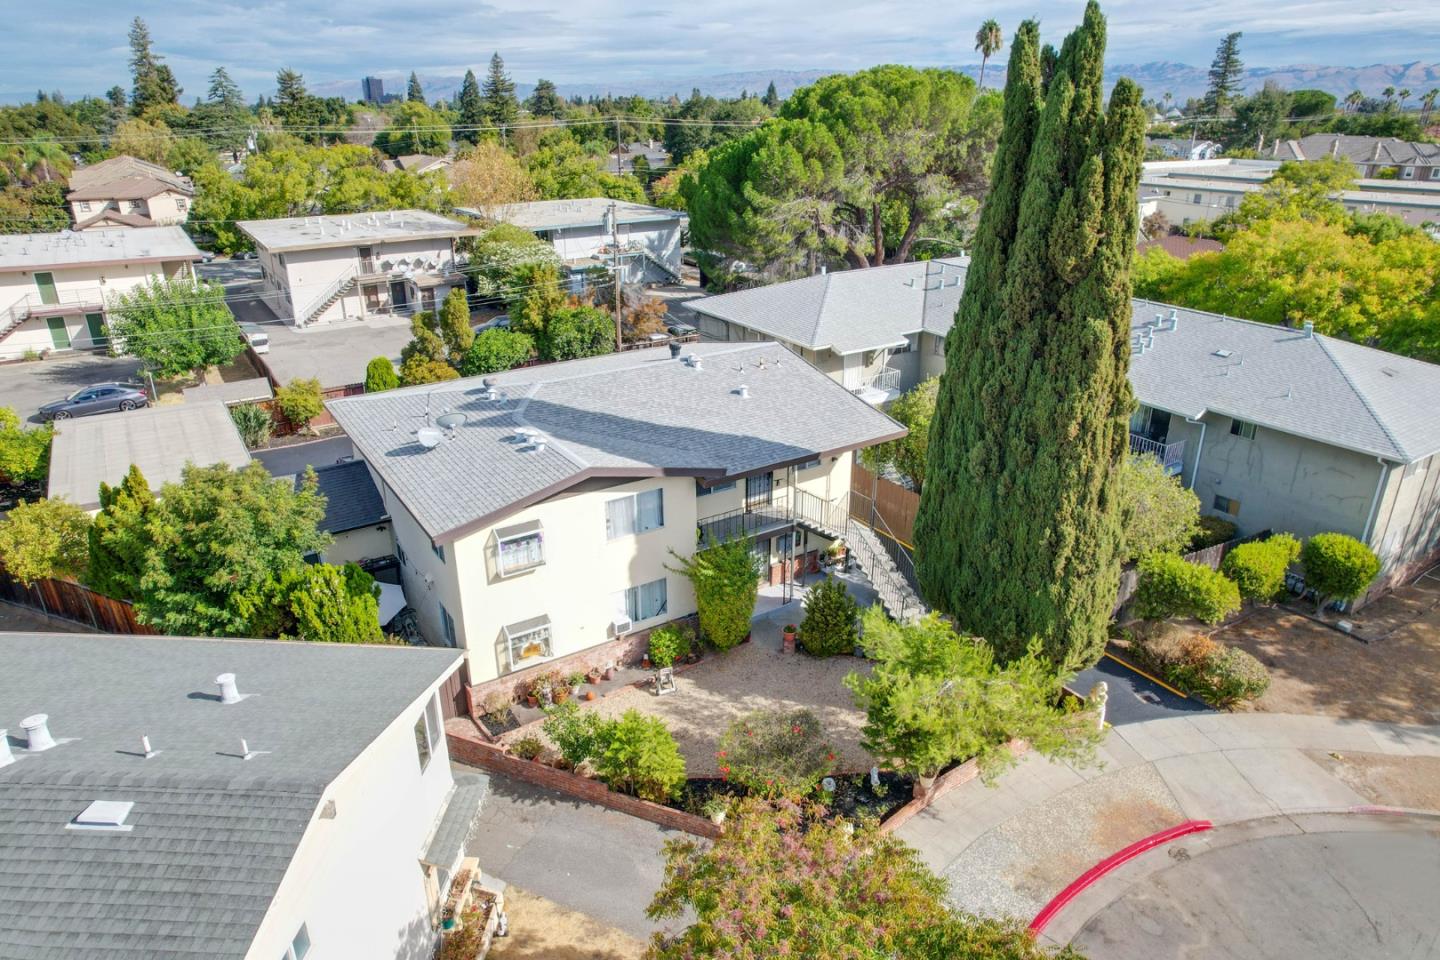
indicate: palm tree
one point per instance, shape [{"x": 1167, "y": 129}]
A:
[
  {"x": 1403, "y": 95},
  {"x": 1427, "y": 105},
  {"x": 1389, "y": 94},
  {"x": 1353, "y": 99},
  {"x": 988, "y": 40}
]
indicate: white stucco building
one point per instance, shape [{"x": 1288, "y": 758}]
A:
[
  {"x": 127, "y": 192},
  {"x": 325, "y": 269},
  {"x": 55, "y": 288},
  {"x": 308, "y": 811},
  {"x": 593, "y": 232}
]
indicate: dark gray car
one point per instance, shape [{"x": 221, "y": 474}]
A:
[{"x": 96, "y": 398}]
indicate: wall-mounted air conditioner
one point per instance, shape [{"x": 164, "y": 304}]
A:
[{"x": 619, "y": 627}]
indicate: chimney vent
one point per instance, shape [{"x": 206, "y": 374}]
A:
[
  {"x": 6, "y": 757},
  {"x": 229, "y": 692},
  {"x": 1309, "y": 330},
  {"x": 743, "y": 392},
  {"x": 674, "y": 350},
  {"x": 539, "y": 441},
  {"x": 104, "y": 815},
  {"x": 37, "y": 732}
]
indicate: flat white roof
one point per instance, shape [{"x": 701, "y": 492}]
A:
[
  {"x": 343, "y": 230},
  {"x": 583, "y": 212},
  {"x": 1375, "y": 197},
  {"x": 72, "y": 248}
]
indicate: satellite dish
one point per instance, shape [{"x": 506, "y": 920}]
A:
[
  {"x": 450, "y": 421},
  {"x": 429, "y": 437}
]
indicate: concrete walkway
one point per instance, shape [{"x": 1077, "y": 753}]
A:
[{"x": 1008, "y": 849}]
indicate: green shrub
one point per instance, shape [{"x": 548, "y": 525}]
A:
[
  {"x": 45, "y": 538},
  {"x": 1172, "y": 587},
  {"x": 1258, "y": 568},
  {"x": 1213, "y": 530},
  {"x": 1337, "y": 567},
  {"x": 578, "y": 735},
  {"x": 668, "y": 644},
  {"x": 254, "y": 423},
  {"x": 527, "y": 748},
  {"x": 775, "y": 753},
  {"x": 830, "y": 618},
  {"x": 641, "y": 757},
  {"x": 301, "y": 401},
  {"x": 726, "y": 580},
  {"x": 1201, "y": 667},
  {"x": 380, "y": 375},
  {"x": 495, "y": 350},
  {"x": 24, "y": 454}
]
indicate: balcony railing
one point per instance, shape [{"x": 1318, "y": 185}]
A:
[
  {"x": 751, "y": 520},
  {"x": 1170, "y": 455}
]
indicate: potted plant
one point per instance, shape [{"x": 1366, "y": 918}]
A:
[
  {"x": 788, "y": 637},
  {"x": 667, "y": 645},
  {"x": 715, "y": 808},
  {"x": 576, "y": 680},
  {"x": 609, "y": 673},
  {"x": 592, "y": 675},
  {"x": 558, "y": 689},
  {"x": 528, "y": 748}
]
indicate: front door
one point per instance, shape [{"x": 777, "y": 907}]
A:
[
  {"x": 45, "y": 282},
  {"x": 95, "y": 323},
  {"x": 758, "y": 489},
  {"x": 398, "y": 296},
  {"x": 59, "y": 336}
]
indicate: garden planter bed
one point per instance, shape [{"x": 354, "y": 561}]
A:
[{"x": 853, "y": 798}]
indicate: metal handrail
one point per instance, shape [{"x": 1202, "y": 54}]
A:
[
  {"x": 1170, "y": 455},
  {"x": 326, "y": 298}
]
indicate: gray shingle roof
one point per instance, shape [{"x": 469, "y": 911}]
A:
[
  {"x": 212, "y": 834},
  {"x": 848, "y": 311},
  {"x": 458, "y": 820},
  {"x": 633, "y": 414},
  {"x": 1359, "y": 149},
  {"x": 351, "y": 499}
]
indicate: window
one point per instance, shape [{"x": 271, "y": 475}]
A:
[
  {"x": 937, "y": 346},
  {"x": 84, "y": 206},
  {"x": 400, "y": 553},
  {"x": 1227, "y": 505},
  {"x": 447, "y": 625},
  {"x": 810, "y": 464},
  {"x": 438, "y": 549},
  {"x": 1241, "y": 428},
  {"x": 136, "y": 205},
  {"x": 907, "y": 346},
  {"x": 636, "y": 513},
  {"x": 180, "y": 204},
  {"x": 299, "y": 947},
  {"x": 527, "y": 640},
  {"x": 643, "y": 602},
  {"x": 519, "y": 548},
  {"x": 783, "y": 544},
  {"x": 1408, "y": 173},
  {"x": 422, "y": 742},
  {"x": 759, "y": 489},
  {"x": 703, "y": 491},
  {"x": 1230, "y": 201},
  {"x": 1199, "y": 198}
]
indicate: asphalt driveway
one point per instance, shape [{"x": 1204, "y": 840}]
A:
[
  {"x": 26, "y": 386},
  {"x": 1134, "y": 698}
]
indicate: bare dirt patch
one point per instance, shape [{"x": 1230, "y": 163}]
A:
[
  {"x": 1412, "y": 782},
  {"x": 541, "y": 929}
]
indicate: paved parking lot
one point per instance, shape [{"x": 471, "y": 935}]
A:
[{"x": 25, "y": 386}]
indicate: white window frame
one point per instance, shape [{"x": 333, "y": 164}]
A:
[
  {"x": 703, "y": 491},
  {"x": 429, "y": 729},
  {"x": 535, "y": 554},
  {"x": 631, "y": 521},
  {"x": 627, "y": 601},
  {"x": 1242, "y": 428},
  {"x": 447, "y": 627},
  {"x": 296, "y": 952},
  {"x": 539, "y": 631}
]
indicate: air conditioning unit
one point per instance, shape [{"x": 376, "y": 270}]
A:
[{"x": 621, "y": 626}]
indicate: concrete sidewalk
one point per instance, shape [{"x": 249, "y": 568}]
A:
[{"x": 1007, "y": 849}]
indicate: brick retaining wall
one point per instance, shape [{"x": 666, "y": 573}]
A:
[{"x": 944, "y": 784}]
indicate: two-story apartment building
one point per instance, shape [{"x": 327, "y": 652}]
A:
[
  {"x": 539, "y": 513},
  {"x": 325, "y": 269},
  {"x": 1274, "y": 428},
  {"x": 1388, "y": 157},
  {"x": 55, "y": 288},
  {"x": 238, "y": 799},
  {"x": 127, "y": 192},
  {"x": 595, "y": 232}
]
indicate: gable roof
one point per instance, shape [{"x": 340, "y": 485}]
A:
[
  {"x": 849, "y": 311},
  {"x": 1359, "y": 149},
  {"x": 127, "y": 173},
  {"x": 351, "y": 499},
  {"x": 634, "y": 414},
  {"x": 212, "y": 834}
]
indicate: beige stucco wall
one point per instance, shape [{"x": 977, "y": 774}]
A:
[
  {"x": 1182, "y": 204},
  {"x": 366, "y": 543},
  {"x": 662, "y": 239},
  {"x": 296, "y": 280},
  {"x": 168, "y": 207},
  {"x": 1406, "y": 530}
]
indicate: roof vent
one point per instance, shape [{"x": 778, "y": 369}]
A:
[
  {"x": 104, "y": 815},
  {"x": 1223, "y": 354},
  {"x": 6, "y": 757},
  {"x": 37, "y": 732},
  {"x": 743, "y": 392},
  {"x": 229, "y": 692},
  {"x": 1174, "y": 318},
  {"x": 539, "y": 441},
  {"x": 674, "y": 350},
  {"x": 1309, "y": 330}
]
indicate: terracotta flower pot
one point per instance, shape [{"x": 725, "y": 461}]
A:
[
  {"x": 589, "y": 694},
  {"x": 531, "y": 701},
  {"x": 609, "y": 673},
  {"x": 788, "y": 641},
  {"x": 645, "y": 662},
  {"x": 593, "y": 676}
]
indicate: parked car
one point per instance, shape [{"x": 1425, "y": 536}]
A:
[
  {"x": 256, "y": 336},
  {"x": 501, "y": 322},
  {"x": 96, "y": 398},
  {"x": 245, "y": 255}
]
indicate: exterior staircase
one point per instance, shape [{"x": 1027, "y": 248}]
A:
[
  {"x": 888, "y": 566},
  {"x": 659, "y": 264},
  {"x": 343, "y": 285}
]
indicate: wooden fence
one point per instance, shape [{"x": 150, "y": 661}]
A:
[
  {"x": 70, "y": 601},
  {"x": 872, "y": 495},
  {"x": 1211, "y": 557}
]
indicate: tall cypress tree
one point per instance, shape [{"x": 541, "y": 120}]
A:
[
  {"x": 413, "y": 91},
  {"x": 500, "y": 104},
  {"x": 472, "y": 109},
  {"x": 1018, "y": 530}
]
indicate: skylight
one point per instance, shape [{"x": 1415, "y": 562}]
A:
[{"x": 104, "y": 815}]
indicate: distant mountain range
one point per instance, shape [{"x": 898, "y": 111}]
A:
[{"x": 1181, "y": 80}]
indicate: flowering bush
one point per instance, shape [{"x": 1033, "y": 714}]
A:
[
  {"x": 775, "y": 752},
  {"x": 668, "y": 644}
]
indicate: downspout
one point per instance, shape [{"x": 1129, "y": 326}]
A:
[
  {"x": 1375, "y": 500},
  {"x": 1199, "y": 449}
]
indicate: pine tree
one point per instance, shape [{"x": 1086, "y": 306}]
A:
[
  {"x": 471, "y": 109},
  {"x": 224, "y": 91},
  {"x": 1225, "y": 71},
  {"x": 154, "y": 84},
  {"x": 545, "y": 100},
  {"x": 772, "y": 97},
  {"x": 1018, "y": 532},
  {"x": 292, "y": 100},
  {"x": 414, "y": 92},
  {"x": 118, "y": 543},
  {"x": 500, "y": 104}
]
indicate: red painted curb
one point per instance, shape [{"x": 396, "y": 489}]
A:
[{"x": 1043, "y": 918}]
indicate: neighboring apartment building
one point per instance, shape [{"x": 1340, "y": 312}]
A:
[
  {"x": 330, "y": 268},
  {"x": 126, "y": 192},
  {"x": 594, "y": 232},
  {"x": 55, "y": 288},
  {"x": 538, "y": 514},
  {"x": 1185, "y": 149},
  {"x": 1274, "y": 428},
  {"x": 1188, "y": 192},
  {"x": 417, "y": 163},
  {"x": 225, "y": 799},
  {"x": 625, "y": 155},
  {"x": 1374, "y": 157},
  {"x": 355, "y": 515}
]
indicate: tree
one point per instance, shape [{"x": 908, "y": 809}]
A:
[
  {"x": 224, "y": 91},
  {"x": 1226, "y": 71},
  {"x": 935, "y": 696},
  {"x": 380, "y": 375},
  {"x": 117, "y": 542},
  {"x": 174, "y": 326},
  {"x": 1258, "y": 567},
  {"x": 414, "y": 93},
  {"x": 301, "y": 401},
  {"x": 153, "y": 83},
  {"x": 142, "y": 140},
  {"x": 785, "y": 879},
  {"x": 1158, "y": 513},
  {"x": 988, "y": 41},
  {"x": 641, "y": 758},
  {"x": 1337, "y": 567},
  {"x": 1018, "y": 532},
  {"x": 771, "y": 99},
  {"x": 775, "y": 752},
  {"x": 292, "y": 100},
  {"x": 914, "y": 408},
  {"x": 471, "y": 109},
  {"x": 1171, "y": 586},
  {"x": 577, "y": 331},
  {"x": 504, "y": 259},
  {"x": 544, "y": 100},
  {"x": 218, "y": 540},
  {"x": 488, "y": 177},
  {"x": 562, "y": 170},
  {"x": 1260, "y": 118},
  {"x": 44, "y": 538},
  {"x": 254, "y": 423},
  {"x": 726, "y": 580},
  {"x": 415, "y": 128},
  {"x": 495, "y": 350},
  {"x": 501, "y": 107},
  {"x": 24, "y": 454},
  {"x": 330, "y": 604},
  {"x": 419, "y": 370},
  {"x": 455, "y": 329},
  {"x": 831, "y": 619}
]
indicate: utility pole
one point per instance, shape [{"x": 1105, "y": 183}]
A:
[
  {"x": 615, "y": 270},
  {"x": 617, "y": 146}
]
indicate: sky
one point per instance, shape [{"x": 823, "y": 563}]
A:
[{"x": 79, "y": 46}]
